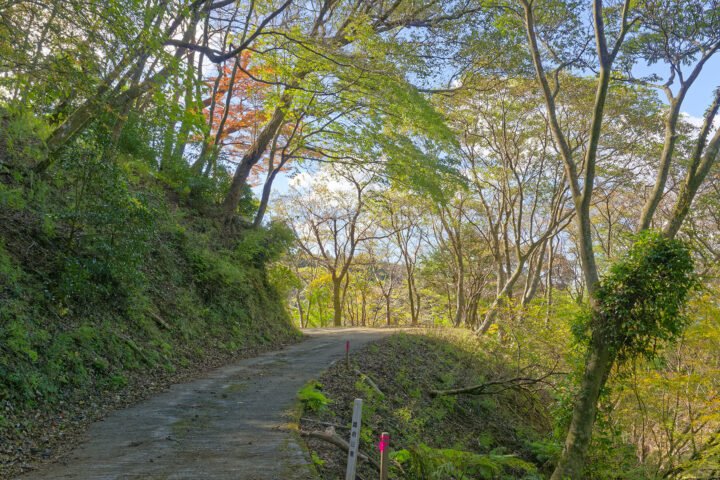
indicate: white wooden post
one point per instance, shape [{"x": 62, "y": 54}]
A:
[{"x": 354, "y": 439}]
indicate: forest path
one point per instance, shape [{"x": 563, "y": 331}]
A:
[{"x": 226, "y": 425}]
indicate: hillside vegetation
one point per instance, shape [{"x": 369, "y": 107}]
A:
[
  {"x": 114, "y": 281},
  {"x": 504, "y": 433},
  {"x": 543, "y": 173}
]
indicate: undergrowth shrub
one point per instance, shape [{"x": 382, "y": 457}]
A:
[
  {"x": 427, "y": 463},
  {"x": 312, "y": 398},
  {"x": 104, "y": 226}
]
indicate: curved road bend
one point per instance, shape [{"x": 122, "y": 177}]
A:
[{"x": 226, "y": 425}]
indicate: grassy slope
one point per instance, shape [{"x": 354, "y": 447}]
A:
[
  {"x": 109, "y": 295},
  {"x": 406, "y": 367}
]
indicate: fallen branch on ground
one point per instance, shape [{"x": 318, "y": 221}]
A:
[
  {"x": 338, "y": 442},
  {"x": 324, "y": 423},
  {"x": 495, "y": 387},
  {"x": 159, "y": 320},
  {"x": 369, "y": 381}
]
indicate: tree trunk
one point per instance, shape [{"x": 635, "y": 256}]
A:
[
  {"x": 309, "y": 311},
  {"x": 460, "y": 299},
  {"x": 337, "y": 301},
  {"x": 364, "y": 309},
  {"x": 192, "y": 104},
  {"x": 534, "y": 273},
  {"x": 80, "y": 118},
  {"x": 500, "y": 298},
  {"x": 253, "y": 155},
  {"x": 199, "y": 163},
  {"x": 411, "y": 298},
  {"x": 226, "y": 111},
  {"x": 267, "y": 189},
  {"x": 700, "y": 165},
  {"x": 549, "y": 284},
  {"x": 471, "y": 317},
  {"x": 665, "y": 158},
  {"x": 572, "y": 460}
]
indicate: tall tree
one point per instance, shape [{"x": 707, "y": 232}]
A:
[
  {"x": 330, "y": 225},
  {"x": 550, "y": 56}
]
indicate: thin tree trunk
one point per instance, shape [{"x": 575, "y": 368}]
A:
[
  {"x": 364, "y": 310},
  {"x": 267, "y": 189},
  {"x": 548, "y": 283},
  {"x": 300, "y": 309},
  {"x": 252, "y": 156},
  {"x": 38, "y": 51},
  {"x": 460, "y": 299},
  {"x": 665, "y": 158},
  {"x": 671, "y": 137},
  {"x": 700, "y": 165},
  {"x": 82, "y": 116},
  {"x": 534, "y": 274},
  {"x": 309, "y": 311},
  {"x": 226, "y": 111},
  {"x": 199, "y": 163},
  {"x": 411, "y": 299},
  {"x": 499, "y": 301}
]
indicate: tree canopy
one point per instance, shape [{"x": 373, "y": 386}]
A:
[{"x": 522, "y": 169}]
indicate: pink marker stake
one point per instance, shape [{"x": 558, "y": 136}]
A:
[{"x": 384, "y": 447}]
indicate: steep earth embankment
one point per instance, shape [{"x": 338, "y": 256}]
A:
[{"x": 503, "y": 433}]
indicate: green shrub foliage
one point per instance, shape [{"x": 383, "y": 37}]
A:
[
  {"x": 640, "y": 302},
  {"x": 105, "y": 243}
]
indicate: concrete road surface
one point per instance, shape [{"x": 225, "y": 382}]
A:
[{"x": 227, "y": 425}]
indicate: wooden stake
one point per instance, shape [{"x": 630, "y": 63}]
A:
[
  {"x": 384, "y": 455},
  {"x": 354, "y": 439},
  {"x": 347, "y": 354}
]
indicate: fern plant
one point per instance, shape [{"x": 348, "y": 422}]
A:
[{"x": 446, "y": 463}]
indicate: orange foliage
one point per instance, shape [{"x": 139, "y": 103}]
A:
[{"x": 245, "y": 116}]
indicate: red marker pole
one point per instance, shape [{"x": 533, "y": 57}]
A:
[
  {"x": 347, "y": 354},
  {"x": 384, "y": 447}
]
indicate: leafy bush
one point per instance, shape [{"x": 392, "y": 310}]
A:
[
  {"x": 107, "y": 221},
  {"x": 311, "y": 398},
  {"x": 264, "y": 245},
  {"x": 21, "y": 138},
  {"x": 640, "y": 301}
]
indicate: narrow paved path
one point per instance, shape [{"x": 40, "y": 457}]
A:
[{"x": 228, "y": 425}]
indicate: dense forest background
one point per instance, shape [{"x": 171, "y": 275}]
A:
[{"x": 183, "y": 180}]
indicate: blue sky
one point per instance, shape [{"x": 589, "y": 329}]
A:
[{"x": 701, "y": 93}]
